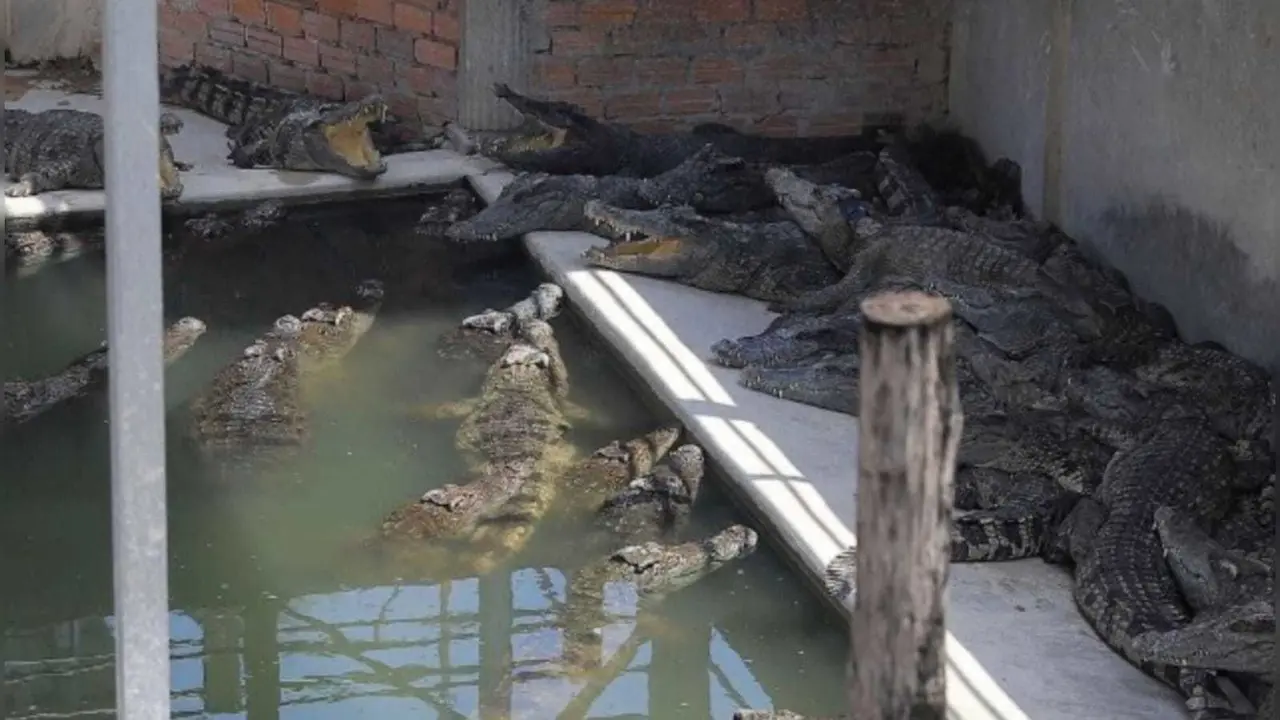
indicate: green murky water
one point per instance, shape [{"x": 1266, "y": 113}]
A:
[{"x": 269, "y": 619}]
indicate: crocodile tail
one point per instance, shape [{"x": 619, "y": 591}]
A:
[
  {"x": 214, "y": 94},
  {"x": 994, "y": 535}
]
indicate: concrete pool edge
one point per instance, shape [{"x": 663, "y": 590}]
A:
[{"x": 1041, "y": 666}]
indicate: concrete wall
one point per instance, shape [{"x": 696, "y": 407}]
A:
[
  {"x": 37, "y": 30},
  {"x": 1150, "y": 131}
]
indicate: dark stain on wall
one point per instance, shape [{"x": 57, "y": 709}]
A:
[{"x": 1192, "y": 264}]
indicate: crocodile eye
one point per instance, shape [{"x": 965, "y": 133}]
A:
[{"x": 699, "y": 197}]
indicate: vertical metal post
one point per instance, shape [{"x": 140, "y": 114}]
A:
[{"x": 134, "y": 326}]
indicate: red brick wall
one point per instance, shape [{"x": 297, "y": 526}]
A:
[
  {"x": 405, "y": 49},
  {"x": 783, "y": 67}
]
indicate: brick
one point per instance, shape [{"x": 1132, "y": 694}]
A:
[
  {"x": 647, "y": 103},
  {"x": 749, "y": 100},
  {"x": 843, "y": 123},
  {"x": 749, "y": 35},
  {"x": 226, "y": 32},
  {"x": 402, "y": 104},
  {"x": 785, "y": 10},
  {"x": 722, "y": 11},
  {"x": 561, "y": 14},
  {"x": 396, "y": 44},
  {"x": 783, "y": 67},
  {"x": 411, "y": 18},
  {"x": 662, "y": 72},
  {"x": 303, "y": 51},
  {"x": 590, "y": 100},
  {"x": 357, "y": 35},
  {"x": 422, "y": 80},
  {"x": 853, "y": 31},
  {"x": 286, "y": 76},
  {"x": 213, "y": 8},
  {"x": 435, "y": 54},
  {"x": 341, "y": 8},
  {"x": 325, "y": 85},
  {"x": 261, "y": 40},
  {"x": 176, "y": 47},
  {"x": 375, "y": 70},
  {"x": 213, "y": 57},
  {"x": 689, "y": 101},
  {"x": 320, "y": 27},
  {"x": 286, "y": 20},
  {"x": 553, "y": 73},
  {"x": 445, "y": 26},
  {"x": 607, "y": 12},
  {"x": 249, "y": 66},
  {"x": 249, "y": 12},
  {"x": 777, "y": 126},
  {"x": 193, "y": 24},
  {"x": 716, "y": 71},
  {"x": 379, "y": 11},
  {"x": 437, "y": 110},
  {"x": 577, "y": 43},
  {"x": 664, "y": 13},
  {"x": 337, "y": 60},
  {"x": 356, "y": 89},
  {"x": 678, "y": 37},
  {"x": 607, "y": 72}
]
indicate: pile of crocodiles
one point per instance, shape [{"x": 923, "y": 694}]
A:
[
  {"x": 1094, "y": 436},
  {"x": 267, "y": 127}
]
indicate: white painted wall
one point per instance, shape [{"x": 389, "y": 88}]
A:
[{"x": 48, "y": 29}]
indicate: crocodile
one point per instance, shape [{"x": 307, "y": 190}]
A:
[
  {"x": 653, "y": 570},
  {"x": 904, "y": 189},
  {"x": 26, "y": 399},
  {"x": 257, "y": 401},
  {"x": 513, "y": 431},
  {"x": 282, "y": 130},
  {"x": 212, "y": 226},
  {"x": 1231, "y": 594},
  {"x": 240, "y": 104},
  {"x": 590, "y": 147},
  {"x": 510, "y": 527},
  {"x": 486, "y": 335},
  {"x": 657, "y": 503},
  {"x": 457, "y": 205},
  {"x": 62, "y": 149},
  {"x": 253, "y": 402},
  {"x": 1123, "y": 586},
  {"x": 774, "y": 261}
]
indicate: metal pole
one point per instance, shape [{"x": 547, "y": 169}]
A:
[{"x": 134, "y": 326}]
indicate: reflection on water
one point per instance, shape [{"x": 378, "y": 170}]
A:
[{"x": 270, "y": 617}]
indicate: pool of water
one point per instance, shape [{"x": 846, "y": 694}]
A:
[{"x": 269, "y": 616}]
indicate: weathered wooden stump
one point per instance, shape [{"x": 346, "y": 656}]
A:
[{"x": 909, "y": 430}]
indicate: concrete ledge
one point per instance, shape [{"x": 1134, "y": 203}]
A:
[
  {"x": 1017, "y": 647},
  {"x": 213, "y": 182}
]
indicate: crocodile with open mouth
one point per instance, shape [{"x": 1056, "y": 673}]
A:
[
  {"x": 257, "y": 400},
  {"x": 586, "y": 146},
  {"x": 653, "y": 570},
  {"x": 773, "y": 261},
  {"x": 278, "y": 129},
  {"x": 708, "y": 181},
  {"x": 25, "y": 399},
  {"x": 511, "y": 433},
  {"x": 61, "y": 149}
]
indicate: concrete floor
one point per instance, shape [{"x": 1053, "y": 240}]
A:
[{"x": 1017, "y": 646}]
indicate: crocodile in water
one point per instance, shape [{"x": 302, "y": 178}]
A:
[
  {"x": 511, "y": 432},
  {"x": 257, "y": 400},
  {"x": 774, "y": 261},
  {"x": 653, "y": 569},
  {"x": 486, "y": 335},
  {"x": 591, "y": 147},
  {"x": 657, "y": 503},
  {"x": 62, "y": 149},
  {"x": 25, "y": 399},
  {"x": 613, "y": 466}
]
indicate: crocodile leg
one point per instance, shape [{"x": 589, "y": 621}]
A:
[{"x": 52, "y": 175}]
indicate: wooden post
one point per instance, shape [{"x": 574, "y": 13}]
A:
[{"x": 909, "y": 429}]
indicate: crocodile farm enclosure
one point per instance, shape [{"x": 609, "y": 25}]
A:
[{"x": 560, "y": 422}]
